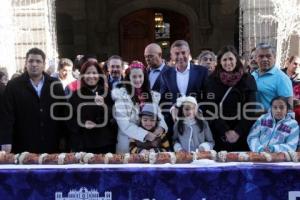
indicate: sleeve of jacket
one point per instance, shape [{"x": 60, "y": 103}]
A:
[
  {"x": 211, "y": 110},
  {"x": 209, "y": 141},
  {"x": 204, "y": 75},
  {"x": 162, "y": 122},
  {"x": 247, "y": 118},
  {"x": 72, "y": 124},
  {"x": 156, "y": 99},
  {"x": 7, "y": 114},
  {"x": 166, "y": 95},
  {"x": 64, "y": 110},
  {"x": 109, "y": 103},
  {"x": 220, "y": 126},
  {"x": 253, "y": 137},
  {"x": 177, "y": 146},
  {"x": 163, "y": 88},
  {"x": 290, "y": 143},
  {"x": 122, "y": 117}
]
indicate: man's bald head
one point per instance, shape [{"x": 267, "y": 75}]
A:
[
  {"x": 153, "y": 55},
  {"x": 153, "y": 47}
]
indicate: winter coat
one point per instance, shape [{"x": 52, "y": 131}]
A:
[
  {"x": 98, "y": 137},
  {"x": 232, "y": 114},
  {"x": 126, "y": 115},
  {"x": 26, "y": 121},
  {"x": 192, "y": 137},
  {"x": 278, "y": 136}
]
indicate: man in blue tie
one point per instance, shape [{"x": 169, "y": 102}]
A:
[
  {"x": 115, "y": 70},
  {"x": 156, "y": 66}
]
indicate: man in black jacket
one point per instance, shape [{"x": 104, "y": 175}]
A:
[
  {"x": 115, "y": 71},
  {"x": 29, "y": 121}
]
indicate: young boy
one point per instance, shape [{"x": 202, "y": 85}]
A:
[{"x": 149, "y": 121}]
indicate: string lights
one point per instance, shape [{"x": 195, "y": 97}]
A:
[
  {"x": 7, "y": 50},
  {"x": 275, "y": 20},
  {"x": 28, "y": 23},
  {"x": 287, "y": 17}
]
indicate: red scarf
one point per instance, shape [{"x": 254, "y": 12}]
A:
[{"x": 231, "y": 78}]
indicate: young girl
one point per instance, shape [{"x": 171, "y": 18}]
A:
[
  {"x": 191, "y": 132},
  {"x": 149, "y": 121},
  {"x": 129, "y": 97},
  {"x": 275, "y": 131}
]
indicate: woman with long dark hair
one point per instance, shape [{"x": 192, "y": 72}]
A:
[
  {"x": 129, "y": 99},
  {"x": 90, "y": 127},
  {"x": 233, "y": 93}
]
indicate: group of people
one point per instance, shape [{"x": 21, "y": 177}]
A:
[{"x": 184, "y": 107}]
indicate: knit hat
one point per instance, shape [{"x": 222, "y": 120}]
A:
[
  {"x": 136, "y": 65},
  {"x": 149, "y": 109},
  {"x": 183, "y": 99}
]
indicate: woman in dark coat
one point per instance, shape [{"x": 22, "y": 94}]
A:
[
  {"x": 232, "y": 93},
  {"x": 90, "y": 126}
]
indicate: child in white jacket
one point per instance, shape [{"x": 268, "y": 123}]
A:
[
  {"x": 275, "y": 131},
  {"x": 191, "y": 131}
]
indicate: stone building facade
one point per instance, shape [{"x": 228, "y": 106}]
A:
[
  {"x": 66, "y": 28},
  {"x": 93, "y": 26}
]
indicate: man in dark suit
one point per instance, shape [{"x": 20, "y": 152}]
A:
[
  {"x": 185, "y": 79},
  {"x": 115, "y": 71},
  {"x": 29, "y": 121},
  {"x": 155, "y": 64}
]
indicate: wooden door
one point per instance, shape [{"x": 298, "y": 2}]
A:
[{"x": 136, "y": 32}]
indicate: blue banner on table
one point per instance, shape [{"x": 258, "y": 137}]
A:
[{"x": 242, "y": 182}]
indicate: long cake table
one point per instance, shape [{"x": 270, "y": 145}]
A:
[{"x": 205, "y": 180}]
